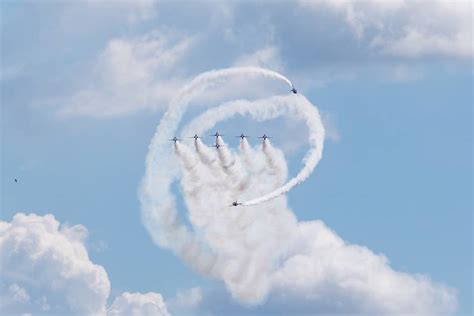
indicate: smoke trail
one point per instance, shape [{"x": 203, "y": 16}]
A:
[
  {"x": 158, "y": 204},
  {"x": 266, "y": 109},
  {"x": 261, "y": 248},
  {"x": 187, "y": 157},
  {"x": 253, "y": 160},
  {"x": 276, "y": 162},
  {"x": 225, "y": 157},
  {"x": 206, "y": 155},
  {"x": 242, "y": 239},
  {"x": 159, "y": 213}
]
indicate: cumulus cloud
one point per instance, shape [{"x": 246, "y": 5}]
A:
[
  {"x": 322, "y": 274},
  {"x": 136, "y": 304},
  {"x": 405, "y": 28},
  {"x": 46, "y": 269},
  {"x": 131, "y": 75}
]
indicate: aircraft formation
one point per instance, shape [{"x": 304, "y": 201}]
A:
[
  {"x": 217, "y": 135},
  {"x": 217, "y": 145}
]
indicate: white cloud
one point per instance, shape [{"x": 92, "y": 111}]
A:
[
  {"x": 313, "y": 41},
  {"x": 131, "y": 75},
  {"x": 136, "y": 304},
  {"x": 318, "y": 273},
  {"x": 322, "y": 271},
  {"x": 46, "y": 269},
  {"x": 404, "y": 28}
]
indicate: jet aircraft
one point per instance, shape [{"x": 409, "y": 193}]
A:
[
  {"x": 174, "y": 139},
  {"x": 235, "y": 203},
  {"x": 242, "y": 136},
  {"x": 264, "y": 137},
  {"x": 216, "y": 135},
  {"x": 293, "y": 89}
]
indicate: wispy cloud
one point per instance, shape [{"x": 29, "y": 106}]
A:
[
  {"x": 138, "y": 304},
  {"x": 410, "y": 29},
  {"x": 130, "y": 75},
  {"x": 139, "y": 67}
]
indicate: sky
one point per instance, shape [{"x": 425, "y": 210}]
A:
[{"x": 382, "y": 226}]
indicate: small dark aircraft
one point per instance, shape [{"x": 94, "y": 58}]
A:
[
  {"x": 242, "y": 136},
  {"x": 293, "y": 89},
  {"x": 174, "y": 139},
  {"x": 217, "y": 146},
  {"x": 16, "y": 180},
  {"x": 196, "y": 136},
  {"x": 216, "y": 135},
  {"x": 264, "y": 137},
  {"x": 235, "y": 203}
]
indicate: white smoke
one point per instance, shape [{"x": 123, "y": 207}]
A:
[
  {"x": 252, "y": 248},
  {"x": 289, "y": 106},
  {"x": 158, "y": 203}
]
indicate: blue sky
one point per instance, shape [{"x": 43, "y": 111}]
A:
[{"x": 85, "y": 84}]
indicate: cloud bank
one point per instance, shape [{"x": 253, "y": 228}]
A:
[{"x": 328, "y": 41}]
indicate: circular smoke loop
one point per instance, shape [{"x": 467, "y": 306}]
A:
[
  {"x": 212, "y": 179},
  {"x": 260, "y": 250}
]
